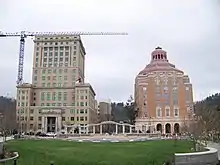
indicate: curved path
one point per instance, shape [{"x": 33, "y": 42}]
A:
[
  {"x": 97, "y": 139},
  {"x": 216, "y": 146}
]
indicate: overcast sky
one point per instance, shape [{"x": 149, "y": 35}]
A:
[{"x": 189, "y": 30}]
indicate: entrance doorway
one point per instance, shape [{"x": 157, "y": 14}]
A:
[
  {"x": 51, "y": 124},
  {"x": 176, "y": 128},
  {"x": 168, "y": 128},
  {"x": 159, "y": 127}
]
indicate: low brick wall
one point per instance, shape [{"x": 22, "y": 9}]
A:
[{"x": 209, "y": 157}]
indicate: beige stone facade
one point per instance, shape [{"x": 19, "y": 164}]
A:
[
  {"x": 163, "y": 95},
  {"x": 58, "y": 94},
  {"x": 105, "y": 111}
]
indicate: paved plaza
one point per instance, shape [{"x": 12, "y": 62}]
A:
[
  {"x": 110, "y": 138},
  {"x": 216, "y": 146}
]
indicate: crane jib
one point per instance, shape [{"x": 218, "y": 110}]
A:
[{"x": 24, "y": 34}]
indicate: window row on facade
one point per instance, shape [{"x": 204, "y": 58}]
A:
[
  {"x": 165, "y": 89},
  {"x": 56, "y": 48},
  {"x": 55, "y": 38},
  {"x": 167, "y": 112},
  {"x": 55, "y": 71},
  {"x": 73, "y": 118},
  {"x": 71, "y": 111},
  {"x": 55, "y": 55},
  {"x": 55, "y": 65}
]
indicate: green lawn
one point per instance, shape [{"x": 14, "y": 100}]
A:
[{"x": 41, "y": 152}]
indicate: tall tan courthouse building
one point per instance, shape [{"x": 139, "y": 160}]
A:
[
  {"x": 163, "y": 95},
  {"x": 58, "y": 94}
]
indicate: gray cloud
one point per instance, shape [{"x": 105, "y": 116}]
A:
[{"x": 188, "y": 30}]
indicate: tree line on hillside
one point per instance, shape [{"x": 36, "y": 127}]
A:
[
  {"x": 124, "y": 112},
  {"x": 208, "y": 114},
  {"x": 7, "y": 115}
]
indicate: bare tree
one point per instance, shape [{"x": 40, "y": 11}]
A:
[{"x": 196, "y": 130}]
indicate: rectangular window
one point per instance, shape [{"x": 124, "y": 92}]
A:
[
  {"x": 158, "y": 96},
  {"x": 72, "y": 111},
  {"x": 81, "y": 118},
  {"x": 176, "y": 112},
  {"x": 42, "y": 96},
  {"x": 65, "y": 96},
  {"x": 48, "y": 96},
  {"x": 59, "y": 96},
  {"x": 159, "y": 112},
  {"x": 188, "y": 95},
  {"x": 54, "y": 96},
  {"x": 167, "y": 112},
  {"x": 158, "y": 89},
  {"x": 175, "y": 98}
]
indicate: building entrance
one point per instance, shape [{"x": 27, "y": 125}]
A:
[{"x": 51, "y": 124}]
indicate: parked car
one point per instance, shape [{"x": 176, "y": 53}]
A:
[
  {"x": 51, "y": 134},
  {"x": 42, "y": 134}
]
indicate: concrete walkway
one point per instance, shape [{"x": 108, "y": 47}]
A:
[
  {"x": 216, "y": 146},
  {"x": 8, "y": 138}
]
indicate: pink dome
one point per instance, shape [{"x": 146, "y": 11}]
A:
[{"x": 159, "y": 62}]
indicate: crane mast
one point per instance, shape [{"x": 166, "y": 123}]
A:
[
  {"x": 24, "y": 34},
  {"x": 21, "y": 60}
]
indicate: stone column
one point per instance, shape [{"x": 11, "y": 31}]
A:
[
  {"x": 87, "y": 129},
  {"x": 130, "y": 129},
  {"x": 172, "y": 128},
  {"x": 116, "y": 129},
  {"x": 42, "y": 124},
  {"x": 45, "y": 125},
  {"x": 93, "y": 127},
  {"x": 56, "y": 125},
  {"x": 66, "y": 129},
  {"x": 123, "y": 129},
  {"x": 100, "y": 128},
  {"x": 80, "y": 129}
]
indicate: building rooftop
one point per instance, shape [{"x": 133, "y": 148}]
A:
[
  {"x": 159, "y": 62},
  {"x": 85, "y": 85}
]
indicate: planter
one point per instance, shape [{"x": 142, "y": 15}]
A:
[
  {"x": 209, "y": 157},
  {"x": 13, "y": 156}
]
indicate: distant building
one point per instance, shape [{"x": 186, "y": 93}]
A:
[
  {"x": 105, "y": 110},
  {"x": 58, "y": 95},
  {"x": 163, "y": 95}
]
